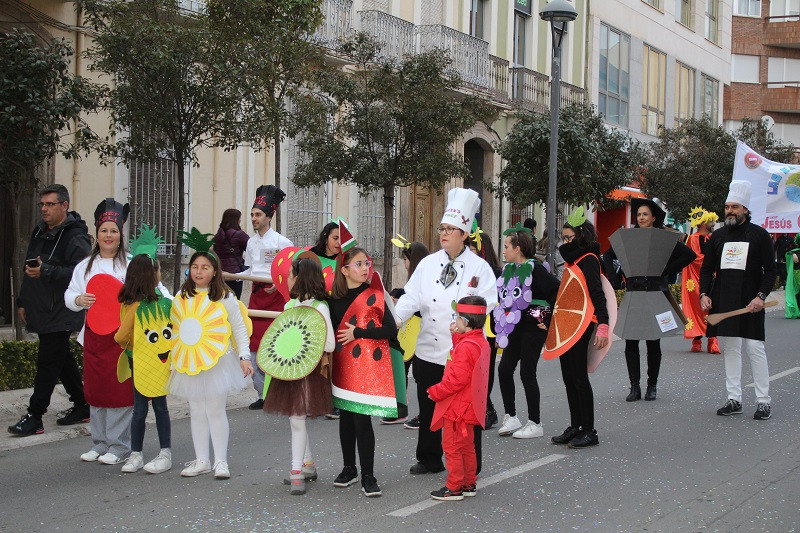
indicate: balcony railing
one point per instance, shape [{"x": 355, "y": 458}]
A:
[
  {"x": 531, "y": 89},
  {"x": 396, "y": 35},
  {"x": 571, "y": 94},
  {"x": 192, "y": 6},
  {"x": 498, "y": 78},
  {"x": 470, "y": 55},
  {"x": 336, "y": 25}
]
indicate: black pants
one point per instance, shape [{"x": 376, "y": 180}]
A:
[
  {"x": 236, "y": 287},
  {"x": 478, "y": 448},
  {"x": 653, "y": 361},
  {"x": 429, "y": 443},
  {"x": 576, "y": 380},
  {"x": 524, "y": 346},
  {"x": 55, "y": 362},
  {"x": 492, "y": 362},
  {"x": 355, "y": 429},
  {"x": 402, "y": 408}
]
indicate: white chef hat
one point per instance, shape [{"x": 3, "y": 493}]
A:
[
  {"x": 739, "y": 193},
  {"x": 462, "y": 204}
]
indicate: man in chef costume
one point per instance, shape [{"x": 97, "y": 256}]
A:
[{"x": 440, "y": 279}]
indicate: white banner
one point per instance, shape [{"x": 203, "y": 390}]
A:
[{"x": 775, "y": 196}]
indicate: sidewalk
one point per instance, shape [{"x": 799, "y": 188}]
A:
[{"x": 14, "y": 403}]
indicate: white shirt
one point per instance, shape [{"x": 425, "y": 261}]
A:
[
  {"x": 261, "y": 251},
  {"x": 426, "y": 294}
]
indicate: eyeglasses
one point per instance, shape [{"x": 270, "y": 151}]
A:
[
  {"x": 441, "y": 230},
  {"x": 359, "y": 264},
  {"x": 48, "y": 204},
  {"x": 568, "y": 238}
]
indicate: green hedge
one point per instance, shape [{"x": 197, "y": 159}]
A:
[
  {"x": 18, "y": 363},
  {"x": 675, "y": 288}
]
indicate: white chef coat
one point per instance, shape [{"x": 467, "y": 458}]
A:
[
  {"x": 261, "y": 250},
  {"x": 425, "y": 293}
]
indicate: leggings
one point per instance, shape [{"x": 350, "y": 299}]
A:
[
  {"x": 576, "y": 380},
  {"x": 524, "y": 346},
  {"x": 356, "y": 429},
  {"x": 208, "y": 418},
  {"x": 301, "y": 450},
  {"x": 653, "y": 361}
]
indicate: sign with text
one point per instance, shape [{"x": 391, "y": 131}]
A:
[{"x": 523, "y": 6}]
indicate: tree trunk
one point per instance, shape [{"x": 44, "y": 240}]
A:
[
  {"x": 276, "y": 135},
  {"x": 17, "y": 258},
  {"x": 176, "y": 272},
  {"x": 388, "y": 226}
]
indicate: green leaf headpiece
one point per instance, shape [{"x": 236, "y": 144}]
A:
[
  {"x": 199, "y": 242},
  {"x": 576, "y": 218},
  {"x": 519, "y": 228},
  {"x": 146, "y": 243}
]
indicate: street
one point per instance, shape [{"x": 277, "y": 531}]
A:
[{"x": 667, "y": 465}]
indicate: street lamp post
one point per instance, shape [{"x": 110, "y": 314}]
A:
[{"x": 558, "y": 13}]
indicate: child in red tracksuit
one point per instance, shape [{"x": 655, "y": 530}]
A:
[{"x": 461, "y": 399}]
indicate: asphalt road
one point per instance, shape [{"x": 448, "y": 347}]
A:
[{"x": 667, "y": 465}]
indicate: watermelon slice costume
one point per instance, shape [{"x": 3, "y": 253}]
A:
[{"x": 364, "y": 370}]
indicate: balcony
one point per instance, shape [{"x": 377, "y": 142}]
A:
[
  {"x": 498, "y": 79},
  {"x": 470, "y": 55},
  {"x": 782, "y": 31},
  {"x": 531, "y": 90},
  {"x": 396, "y": 35},
  {"x": 192, "y": 6},
  {"x": 782, "y": 97},
  {"x": 571, "y": 94},
  {"x": 336, "y": 25}
]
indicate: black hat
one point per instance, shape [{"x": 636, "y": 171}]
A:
[
  {"x": 267, "y": 199},
  {"x": 655, "y": 208},
  {"x": 110, "y": 210}
]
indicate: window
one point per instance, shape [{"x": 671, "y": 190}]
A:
[
  {"x": 655, "y": 3},
  {"x": 683, "y": 12},
  {"x": 153, "y": 199},
  {"x": 747, "y": 8},
  {"x": 782, "y": 69},
  {"x": 615, "y": 50},
  {"x": 711, "y": 99},
  {"x": 684, "y": 93},
  {"x": 477, "y": 13},
  {"x": 784, "y": 7},
  {"x": 744, "y": 69},
  {"x": 369, "y": 223},
  {"x": 654, "y": 89},
  {"x": 307, "y": 209},
  {"x": 520, "y": 22},
  {"x": 712, "y": 18}
]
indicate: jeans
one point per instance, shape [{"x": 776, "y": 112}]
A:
[
  {"x": 55, "y": 362},
  {"x": 163, "y": 424}
]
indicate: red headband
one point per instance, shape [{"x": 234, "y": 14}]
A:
[{"x": 470, "y": 309}]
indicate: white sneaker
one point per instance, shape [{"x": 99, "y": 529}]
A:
[
  {"x": 221, "y": 470},
  {"x": 90, "y": 456},
  {"x": 109, "y": 458},
  {"x": 529, "y": 431},
  {"x": 510, "y": 425},
  {"x": 160, "y": 463},
  {"x": 195, "y": 468},
  {"x": 134, "y": 463}
]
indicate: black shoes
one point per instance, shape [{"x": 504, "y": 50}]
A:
[
  {"x": 412, "y": 424},
  {"x": 256, "y": 405},
  {"x": 446, "y": 495},
  {"x": 348, "y": 476},
  {"x": 491, "y": 418},
  {"x": 635, "y": 394},
  {"x": 74, "y": 415},
  {"x": 335, "y": 414},
  {"x": 369, "y": 486},
  {"x": 569, "y": 434},
  {"x": 420, "y": 468},
  {"x": 650, "y": 395},
  {"x": 731, "y": 407},
  {"x": 469, "y": 490},
  {"x": 585, "y": 439},
  {"x": 27, "y": 425},
  {"x": 763, "y": 412}
]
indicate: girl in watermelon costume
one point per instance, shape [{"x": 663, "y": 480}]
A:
[
  {"x": 146, "y": 334},
  {"x": 361, "y": 364},
  {"x": 311, "y": 395},
  {"x": 94, "y": 286},
  {"x": 526, "y": 295},
  {"x": 206, "y": 368},
  {"x": 581, "y": 253},
  {"x": 461, "y": 399}
]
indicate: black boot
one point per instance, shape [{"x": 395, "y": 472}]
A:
[
  {"x": 650, "y": 395},
  {"x": 635, "y": 394}
]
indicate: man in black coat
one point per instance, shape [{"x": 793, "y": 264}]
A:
[
  {"x": 741, "y": 256},
  {"x": 58, "y": 243}
]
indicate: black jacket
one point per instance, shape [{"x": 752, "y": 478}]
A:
[{"x": 60, "y": 248}]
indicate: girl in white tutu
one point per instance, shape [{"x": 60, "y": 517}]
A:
[{"x": 206, "y": 317}]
